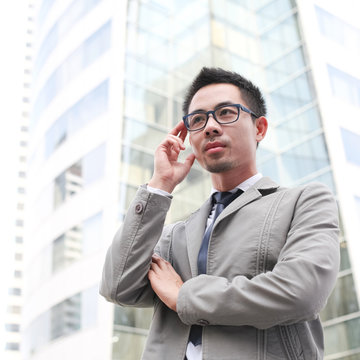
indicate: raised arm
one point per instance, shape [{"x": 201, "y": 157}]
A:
[{"x": 128, "y": 259}]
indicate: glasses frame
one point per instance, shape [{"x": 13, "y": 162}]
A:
[{"x": 207, "y": 113}]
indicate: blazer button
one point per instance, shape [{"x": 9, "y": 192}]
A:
[
  {"x": 203, "y": 322},
  {"x": 139, "y": 208}
]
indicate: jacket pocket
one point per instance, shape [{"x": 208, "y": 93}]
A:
[
  {"x": 291, "y": 342},
  {"x": 282, "y": 343}
]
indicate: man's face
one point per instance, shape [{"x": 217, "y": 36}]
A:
[{"x": 221, "y": 148}]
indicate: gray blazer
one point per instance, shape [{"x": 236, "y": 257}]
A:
[{"x": 272, "y": 262}]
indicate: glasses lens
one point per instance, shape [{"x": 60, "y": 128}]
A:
[
  {"x": 196, "y": 121},
  {"x": 227, "y": 114}
]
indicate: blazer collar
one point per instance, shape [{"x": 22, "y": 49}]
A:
[{"x": 196, "y": 223}]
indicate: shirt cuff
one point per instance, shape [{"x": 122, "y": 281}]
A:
[{"x": 158, "y": 191}]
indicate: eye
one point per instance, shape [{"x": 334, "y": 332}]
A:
[
  {"x": 227, "y": 111},
  {"x": 197, "y": 119}
]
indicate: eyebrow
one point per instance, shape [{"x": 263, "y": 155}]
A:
[{"x": 215, "y": 107}]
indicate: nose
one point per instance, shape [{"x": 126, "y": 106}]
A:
[{"x": 212, "y": 127}]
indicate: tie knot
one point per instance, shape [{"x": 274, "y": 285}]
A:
[{"x": 226, "y": 197}]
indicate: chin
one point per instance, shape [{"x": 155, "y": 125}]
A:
[{"x": 219, "y": 167}]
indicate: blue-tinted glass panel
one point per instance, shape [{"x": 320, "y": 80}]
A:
[
  {"x": 337, "y": 30},
  {"x": 296, "y": 128},
  {"x": 93, "y": 165},
  {"x": 288, "y": 64},
  {"x": 304, "y": 159},
  {"x": 279, "y": 39},
  {"x": 271, "y": 12},
  {"x": 293, "y": 95},
  {"x": 344, "y": 86},
  {"x": 351, "y": 143}
]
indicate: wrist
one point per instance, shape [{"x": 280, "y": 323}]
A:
[{"x": 161, "y": 185}]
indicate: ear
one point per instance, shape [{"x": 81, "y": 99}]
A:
[{"x": 261, "y": 125}]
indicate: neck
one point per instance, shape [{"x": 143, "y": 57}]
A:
[{"x": 226, "y": 181}]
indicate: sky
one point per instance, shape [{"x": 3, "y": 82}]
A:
[{"x": 12, "y": 40}]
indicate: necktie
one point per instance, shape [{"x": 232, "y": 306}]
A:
[{"x": 221, "y": 200}]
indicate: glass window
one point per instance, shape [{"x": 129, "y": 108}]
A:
[
  {"x": 12, "y": 327},
  {"x": 81, "y": 240},
  {"x": 288, "y": 64},
  {"x": 93, "y": 165},
  {"x": 280, "y": 38},
  {"x": 272, "y": 10},
  {"x": 138, "y": 318},
  {"x": 337, "y": 30},
  {"x": 14, "y": 291},
  {"x": 66, "y": 249},
  {"x": 137, "y": 165},
  {"x": 92, "y": 234},
  {"x": 145, "y": 105},
  {"x": 82, "y": 173},
  {"x": 14, "y": 309},
  {"x": 76, "y": 10},
  {"x": 344, "y": 86},
  {"x": 343, "y": 299},
  {"x": 294, "y": 129},
  {"x": 293, "y": 95},
  {"x": 64, "y": 318},
  {"x": 86, "y": 54},
  {"x": 127, "y": 346},
  {"x": 342, "y": 337},
  {"x": 87, "y": 109},
  {"x": 12, "y": 346},
  {"x": 145, "y": 135},
  {"x": 304, "y": 159},
  {"x": 351, "y": 143},
  {"x": 344, "y": 256}
]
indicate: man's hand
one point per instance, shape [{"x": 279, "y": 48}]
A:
[
  {"x": 165, "y": 281},
  {"x": 168, "y": 172}
]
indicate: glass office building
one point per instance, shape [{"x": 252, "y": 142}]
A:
[{"x": 108, "y": 83}]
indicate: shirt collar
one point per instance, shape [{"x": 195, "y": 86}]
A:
[{"x": 245, "y": 184}]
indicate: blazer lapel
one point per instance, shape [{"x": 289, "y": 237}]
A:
[
  {"x": 194, "y": 229},
  {"x": 196, "y": 223}
]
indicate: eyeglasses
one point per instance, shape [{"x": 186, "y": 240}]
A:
[{"x": 224, "y": 114}]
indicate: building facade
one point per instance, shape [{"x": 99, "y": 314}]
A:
[{"x": 108, "y": 81}]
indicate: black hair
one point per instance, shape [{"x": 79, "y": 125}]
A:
[{"x": 207, "y": 76}]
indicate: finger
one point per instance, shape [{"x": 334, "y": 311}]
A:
[
  {"x": 189, "y": 161},
  {"x": 178, "y": 128},
  {"x": 173, "y": 142},
  {"x": 183, "y": 133}
]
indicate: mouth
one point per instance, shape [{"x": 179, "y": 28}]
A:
[{"x": 213, "y": 147}]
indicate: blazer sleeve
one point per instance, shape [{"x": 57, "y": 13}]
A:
[
  {"x": 295, "y": 290},
  {"x": 124, "y": 279}
]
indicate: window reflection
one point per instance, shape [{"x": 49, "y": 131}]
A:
[
  {"x": 304, "y": 159},
  {"x": 344, "y": 86},
  {"x": 351, "y": 143},
  {"x": 343, "y": 336},
  {"x": 343, "y": 299},
  {"x": 87, "y": 109},
  {"x": 81, "y": 174},
  {"x": 294, "y": 129},
  {"x": 63, "y": 319}
]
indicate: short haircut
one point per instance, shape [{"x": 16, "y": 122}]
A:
[{"x": 207, "y": 76}]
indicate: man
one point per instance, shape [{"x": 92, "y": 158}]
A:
[{"x": 241, "y": 278}]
